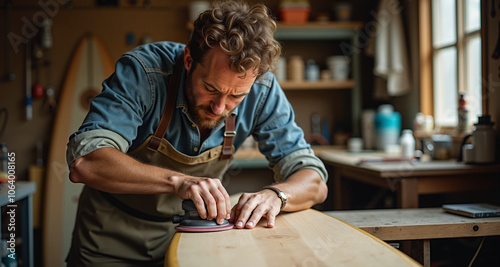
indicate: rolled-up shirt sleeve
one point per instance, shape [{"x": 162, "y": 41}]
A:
[
  {"x": 280, "y": 139},
  {"x": 116, "y": 113},
  {"x": 87, "y": 142},
  {"x": 298, "y": 160}
]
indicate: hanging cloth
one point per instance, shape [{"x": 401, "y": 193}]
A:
[{"x": 388, "y": 47}]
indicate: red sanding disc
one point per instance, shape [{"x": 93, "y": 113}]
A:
[{"x": 204, "y": 229}]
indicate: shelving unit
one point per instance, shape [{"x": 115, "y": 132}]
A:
[
  {"x": 319, "y": 85},
  {"x": 23, "y": 217},
  {"x": 319, "y": 31}
]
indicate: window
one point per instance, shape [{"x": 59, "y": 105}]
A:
[{"x": 456, "y": 59}]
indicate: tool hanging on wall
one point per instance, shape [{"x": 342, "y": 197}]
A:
[
  {"x": 50, "y": 100},
  {"x": 46, "y": 37},
  {"x": 38, "y": 90},
  {"x": 46, "y": 42},
  {"x": 29, "y": 107},
  {"x": 43, "y": 43}
]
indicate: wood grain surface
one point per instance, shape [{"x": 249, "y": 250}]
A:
[{"x": 305, "y": 238}]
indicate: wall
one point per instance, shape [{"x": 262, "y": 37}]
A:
[{"x": 164, "y": 22}]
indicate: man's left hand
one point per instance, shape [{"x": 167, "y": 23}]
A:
[{"x": 251, "y": 207}]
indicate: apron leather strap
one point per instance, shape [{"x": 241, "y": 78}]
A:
[
  {"x": 168, "y": 110},
  {"x": 229, "y": 134}
]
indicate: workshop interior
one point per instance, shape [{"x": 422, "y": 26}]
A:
[{"x": 398, "y": 98}]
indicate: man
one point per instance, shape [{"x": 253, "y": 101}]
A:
[{"x": 164, "y": 129}]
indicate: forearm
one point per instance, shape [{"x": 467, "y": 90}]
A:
[
  {"x": 110, "y": 170},
  {"x": 304, "y": 189}
]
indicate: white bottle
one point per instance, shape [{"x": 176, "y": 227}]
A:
[{"x": 407, "y": 142}]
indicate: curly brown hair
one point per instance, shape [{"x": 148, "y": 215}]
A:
[{"x": 244, "y": 33}]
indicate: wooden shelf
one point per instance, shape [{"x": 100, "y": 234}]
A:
[
  {"x": 319, "y": 85},
  {"x": 348, "y": 25},
  {"x": 322, "y": 25},
  {"x": 318, "y": 31}
]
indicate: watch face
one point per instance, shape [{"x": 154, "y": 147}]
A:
[{"x": 282, "y": 196}]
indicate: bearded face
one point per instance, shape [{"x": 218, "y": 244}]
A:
[{"x": 213, "y": 89}]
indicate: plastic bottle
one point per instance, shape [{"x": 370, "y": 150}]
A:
[
  {"x": 428, "y": 125},
  {"x": 407, "y": 142},
  {"x": 387, "y": 127},
  {"x": 312, "y": 71},
  {"x": 4, "y": 158},
  {"x": 463, "y": 114},
  {"x": 418, "y": 122}
]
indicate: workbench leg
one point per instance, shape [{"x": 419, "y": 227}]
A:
[
  {"x": 408, "y": 195},
  {"x": 427, "y": 252},
  {"x": 419, "y": 250}
]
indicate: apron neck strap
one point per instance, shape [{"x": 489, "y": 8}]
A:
[
  {"x": 229, "y": 134},
  {"x": 168, "y": 110}
]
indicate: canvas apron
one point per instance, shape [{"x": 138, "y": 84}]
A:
[{"x": 133, "y": 230}]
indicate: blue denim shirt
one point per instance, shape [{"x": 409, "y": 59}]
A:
[{"x": 129, "y": 108}]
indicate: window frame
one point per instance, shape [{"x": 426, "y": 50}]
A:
[{"x": 427, "y": 52}]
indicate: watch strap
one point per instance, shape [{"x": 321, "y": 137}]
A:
[{"x": 279, "y": 193}]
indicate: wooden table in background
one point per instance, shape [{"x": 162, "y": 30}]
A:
[
  {"x": 424, "y": 225},
  {"x": 305, "y": 238},
  {"x": 408, "y": 180}
]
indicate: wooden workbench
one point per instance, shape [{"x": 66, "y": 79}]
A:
[
  {"x": 423, "y": 224},
  {"x": 414, "y": 224},
  {"x": 305, "y": 238},
  {"x": 408, "y": 180}
]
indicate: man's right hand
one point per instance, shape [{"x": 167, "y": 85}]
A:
[
  {"x": 203, "y": 191},
  {"x": 112, "y": 171}
]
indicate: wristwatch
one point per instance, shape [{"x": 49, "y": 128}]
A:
[{"x": 280, "y": 194}]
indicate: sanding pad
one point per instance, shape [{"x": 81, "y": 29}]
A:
[{"x": 204, "y": 228}]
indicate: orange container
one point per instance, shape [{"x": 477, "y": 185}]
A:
[{"x": 294, "y": 15}]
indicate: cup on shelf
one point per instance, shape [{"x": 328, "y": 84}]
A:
[
  {"x": 355, "y": 144},
  {"x": 339, "y": 67}
]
